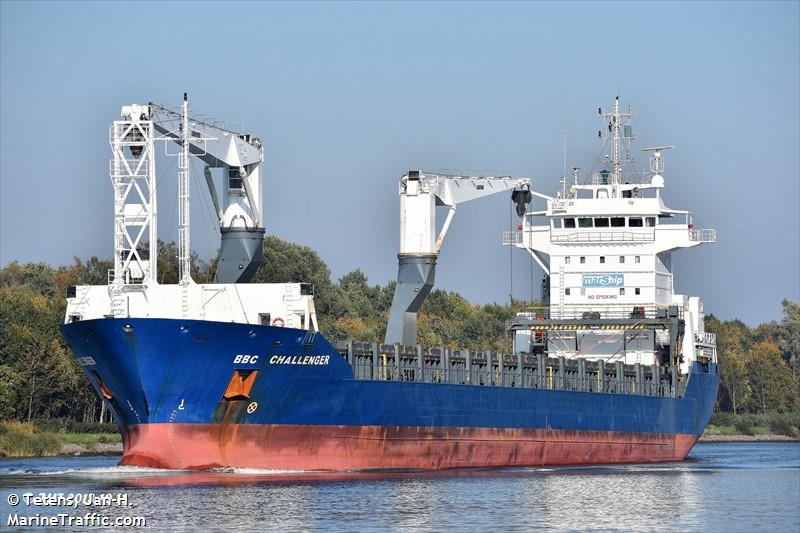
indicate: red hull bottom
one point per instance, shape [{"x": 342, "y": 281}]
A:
[{"x": 290, "y": 447}]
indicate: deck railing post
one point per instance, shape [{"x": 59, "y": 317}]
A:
[
  {"x": 639, "y": 379},
  {"x": 601, "y": 376},
  {"x": 420, "y": 366},
  {"x": 674, "y": 384},
  {"x": 562, "y": 363},
  {"x": 397, "y": 375},
  {"x": 541, "y": 371},
  {"x": 657, "y": 380},
  {"x": 376, "y": 355},
  {"x": 444, "y": 363}
]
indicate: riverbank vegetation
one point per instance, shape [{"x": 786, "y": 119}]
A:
[
  {"x": 724, "y": 423},
  {"x": 44, "y": 438},
  {"x": 42, "y": 385}
]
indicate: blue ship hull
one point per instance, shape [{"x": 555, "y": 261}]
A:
[{"x": 170, "y": 383}]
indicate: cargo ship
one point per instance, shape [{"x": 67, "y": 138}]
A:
[{"x": 615, "y": 367}]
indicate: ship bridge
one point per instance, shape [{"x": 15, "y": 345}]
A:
[{"x": 605, "y": 244}]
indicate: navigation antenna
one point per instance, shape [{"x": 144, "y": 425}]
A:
[
  {"x": 619, "y": 133},
  {"x": 656, "y": 161}
]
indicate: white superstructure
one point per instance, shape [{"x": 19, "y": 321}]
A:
[{"x": 605, "y": 243}]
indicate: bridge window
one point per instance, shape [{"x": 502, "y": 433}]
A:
[
  {"x": 651, "y": 222},
  {"x": 569, "y": 222},
  {"x": 583, "y": 260},
  {"x": 584, "y": 222},
  {"x": 622, "y": 259},
  {"x": 602, "y": 259},
  {"x": 617, "y": 222},
  {"x": 638, "y": 291},
  {"x": 622, "y": 291},
  {"x": 566, "y": 292},
  {"x": 637, "y": 259},
  {"x": 601, "y": 223},
  {"x": 566, "y": 260},
  {"x": 635, "y": 222}
]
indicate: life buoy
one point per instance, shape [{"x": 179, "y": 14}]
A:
[{"x": 278, "y": 322}]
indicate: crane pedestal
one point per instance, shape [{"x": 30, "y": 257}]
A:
[
  {"x": 240, "y": 255},
  {"x": 415, "y": 278}
]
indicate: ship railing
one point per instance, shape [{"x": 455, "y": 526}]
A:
[
  {"x": 382, "y": 362},
  {"x": 703, "y": 235},
  {"x": 709, "y": 339},
  {"x": 512, "y": 238},
  {"x": 595, "y": 312},
  {"x": 125, "y": 276},
  {"x": 604, "y": 178},
  {"x": 602, "y": 236},
  {"x": 128, "y": 168}
]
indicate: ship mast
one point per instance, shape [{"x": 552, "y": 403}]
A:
[
  {"x": 619, "y": 133},
  {"x": 184, "y": 246}
]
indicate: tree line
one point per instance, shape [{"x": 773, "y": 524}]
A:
[
  {"x": 759, "y": 367},
  {"x": 40, "y": 379}
]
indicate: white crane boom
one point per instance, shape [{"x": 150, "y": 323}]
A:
[
  {"x": 239, "y": 156},
  {"x": 420, "y": 193}
]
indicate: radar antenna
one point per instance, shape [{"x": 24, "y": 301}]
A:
[{"x": 656, "y": 161}]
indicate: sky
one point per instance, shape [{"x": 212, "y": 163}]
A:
[{"x": 348, "y": 96}]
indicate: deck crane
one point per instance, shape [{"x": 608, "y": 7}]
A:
[
  {"x": 239, "y": 156},
  {"x": 133, "y": 290},
  {"x": 420, "y": 193}
]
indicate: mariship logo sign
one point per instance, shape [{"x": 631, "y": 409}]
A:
[{"x": 604, "y": 280}]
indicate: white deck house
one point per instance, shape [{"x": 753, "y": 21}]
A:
[{"x": 605, "y": 245}]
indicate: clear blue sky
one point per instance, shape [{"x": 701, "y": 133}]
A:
[{"x": 348, "y": 96}]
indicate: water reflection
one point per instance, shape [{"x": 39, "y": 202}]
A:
[
  {"x": 725, "y": 487},
  {"x": 608, "y": 497}
]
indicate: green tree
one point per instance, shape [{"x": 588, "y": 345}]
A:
[
  {"x": 8, "y": 392},
  {"x": 286, "y": 262},
  {"x": 732, "y": 337},
  {"x": 789, "y": 335},
  {"x": 39, "y": 277},
  {"x": 774, "y": 387},
  {"x": 93, "y": 271},
  {"x": 169, "y": 269}
]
